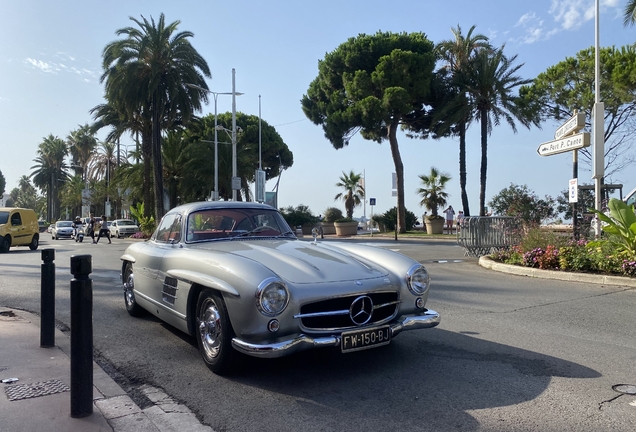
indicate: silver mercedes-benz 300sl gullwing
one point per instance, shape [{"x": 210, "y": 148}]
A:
[{"x": 234, "y": 276}]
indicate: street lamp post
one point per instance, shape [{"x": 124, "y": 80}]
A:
[
  {"x": 216, "y": 142},
  {"x": 233, "y": 134}
]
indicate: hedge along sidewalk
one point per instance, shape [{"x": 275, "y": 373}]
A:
[{"x": 600, "y": 279}]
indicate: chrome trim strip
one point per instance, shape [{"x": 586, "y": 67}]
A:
[
  {"x": 163, "y": 307},
  {"x": 428, "y": 319}
]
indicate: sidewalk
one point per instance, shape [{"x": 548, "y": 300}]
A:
[{"x": 41, "y": 399}]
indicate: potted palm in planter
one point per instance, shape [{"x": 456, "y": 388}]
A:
[
  {"x": 331, "y": 215},
  {"x": 434, "y": 196},
  {"x": 352, "y": 196}
]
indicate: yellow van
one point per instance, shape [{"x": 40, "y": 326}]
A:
[{"x": 18, "y": 227}]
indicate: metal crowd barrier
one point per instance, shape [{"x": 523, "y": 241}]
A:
[{"x": 483, "y": 235}]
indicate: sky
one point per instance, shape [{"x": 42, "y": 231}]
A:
[{"x": 50, "y": 68}]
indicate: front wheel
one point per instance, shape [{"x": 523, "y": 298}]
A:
[
  {"x": 128, "y": 279},
  {"x": 214, "y": 332},
  {"x": 5, "y": 243},
  {"x": 35, "y": 241}
]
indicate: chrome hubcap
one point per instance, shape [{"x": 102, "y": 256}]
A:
[
  {"x": 210, "y": 330},
  {"x": 129, "y": 285}
]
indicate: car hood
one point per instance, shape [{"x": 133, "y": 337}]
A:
[{"x": 301, "y": 262}]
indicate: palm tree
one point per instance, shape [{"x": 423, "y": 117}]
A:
[
  {"x": 81, "y": 143},
  {"x": 26, "y": 195},
  {"x": 102, "y": 164},
  {"x": 50, "y": 171},
  {"x": 147, "y": 72},
  {"x": 491, "y": 87},
  {"x": 432, "y": 192},
  {"x": 629, "y": 14},
  {"x": 177, "y": 158},
  {"x": 458, "y": 55},
  {"x": 71, "y": 194},
  {"x": 354, "y": 191},
  {"x": 137, "y": 122}
]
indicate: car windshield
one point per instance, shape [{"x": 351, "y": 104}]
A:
[
  {"x": 230, "y": 223},
  {"x": 125, "y": 222},
  {"x": 64, "y": 224},
  {"x": 4, "y": 217}
]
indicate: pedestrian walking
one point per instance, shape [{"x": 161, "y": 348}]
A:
[
  {"x": 90, "y": 227},
  {"x": 104, "y": 230},
  {"x": 450, "y": 217},
  {"x": 460, "y": 219}
]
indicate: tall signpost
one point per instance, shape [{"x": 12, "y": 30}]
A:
[
  {"x": 567, "y": 138},
  {"x": 598, "y": 155}
]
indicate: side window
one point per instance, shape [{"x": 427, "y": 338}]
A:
[
  {"x": 16, "y": 219},
  {"x": 163, "y": 231},
  {"x": 175, "y": 231}
]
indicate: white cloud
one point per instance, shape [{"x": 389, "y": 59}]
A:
[
  {"x": 39, "y": 64},
  {"x": 533, "y": 28},
  {"x": 54, "y": 68},
  {"x": 570, "y": 14}
]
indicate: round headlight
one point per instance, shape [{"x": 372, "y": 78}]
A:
[
  {"x": 417, "y": 279},
  {"x": 272, "y": 297}
]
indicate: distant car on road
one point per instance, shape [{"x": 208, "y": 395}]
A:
[
  {"x": 50, "y": 228},
  {"x": 123, "y": 228},
  {"x": 62, "y": 229},
  {"x": 42, "y": 226}
]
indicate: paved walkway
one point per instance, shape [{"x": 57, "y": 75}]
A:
[{"x": 40, "y": 398}]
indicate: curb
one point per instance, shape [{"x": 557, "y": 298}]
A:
[{"x": 486, "y": 262}]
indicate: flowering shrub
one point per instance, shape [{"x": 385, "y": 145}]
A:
[
  {"x": 629, "y": 268},
  {"x": 139, "y": 235},
  {"x": 531, "y": 258},
  {"x": 581, "y": 256},
  {"x": 604, "y": 257},
  {"x": 575, "y": 257},
  {"x": 549, "y": 259}
]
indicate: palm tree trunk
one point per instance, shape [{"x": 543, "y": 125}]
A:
[
  {"x": 146, "y": 150},
  {"x": 462, "y": 166},
  {"x": 156, "y": 158},
  {"x": 399, "y": 171},
  {"x": 483, "y": 117}
]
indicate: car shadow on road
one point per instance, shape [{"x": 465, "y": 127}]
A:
[{"x": 437, "y": 378}]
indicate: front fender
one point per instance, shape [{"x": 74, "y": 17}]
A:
[{"x": 204, "y": 280}]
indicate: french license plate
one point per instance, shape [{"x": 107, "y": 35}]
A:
[{"x": 363, "y": 339}]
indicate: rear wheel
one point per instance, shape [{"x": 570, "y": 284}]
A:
[
  {"x": 128, "y": 280},
  {"x": 214, "y": 332},
  {"x": 35, "y": 241}
]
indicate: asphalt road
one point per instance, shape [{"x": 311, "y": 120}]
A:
[{"x": 511, "y": 353}]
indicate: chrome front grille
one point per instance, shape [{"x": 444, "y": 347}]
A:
[{"x": 335, "y": 313}]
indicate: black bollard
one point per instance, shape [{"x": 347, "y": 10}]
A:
[
  {"x": 81, "y": 336},
  {"x": 47, "y": 299}
]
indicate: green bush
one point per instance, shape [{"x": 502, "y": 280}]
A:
[
  {"x": 345, "y": 219},
  {"x": 332, "y": 214},
  {"x": 146, "y": 224},
  {"x": 535, "y": 237},
  {"x": 298, "y": 216},
  {"x": 389, "y": 219},
  {"x": 575, "y": 258}
]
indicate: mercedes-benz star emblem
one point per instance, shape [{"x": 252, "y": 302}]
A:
[{"x": 361, "y": 310}]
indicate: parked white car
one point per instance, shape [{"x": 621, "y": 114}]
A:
[{"x": 123, "y": 228}]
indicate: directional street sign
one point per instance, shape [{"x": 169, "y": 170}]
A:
[
  {"x": 575, "y": 124},
  {"x": 572, "y": 142}
]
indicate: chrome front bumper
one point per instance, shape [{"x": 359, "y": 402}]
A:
[{"x": 428, "y": 319}]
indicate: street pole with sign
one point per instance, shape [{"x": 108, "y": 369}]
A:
[{"x": 567, "y": 139}]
